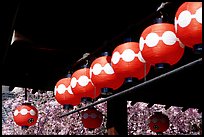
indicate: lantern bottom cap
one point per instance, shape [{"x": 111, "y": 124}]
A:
[
  {"x": 24, "y": 127},
  {"x": 106, "y": 92},
  {"x": 67, "y": 106},
  {"x": 26, "y": 103},
  {"x": 131, "y": 80},
  {"x": 162, "y": 67},
  {"x": 159, "y": 133},
  {"x": 86, "y": 100},
  {"x": 197, "y": 49},
  {"x": 91, "y": 129}
]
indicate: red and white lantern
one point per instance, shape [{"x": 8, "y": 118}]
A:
[
  {"x": 188, "y": 23},
  {"x": 64, "y": 94},
  {"x": 102, "y": 74},
  {"x": 92, "y": 118},
  {"x": 25, "y": 115},
  {"x": 159, "y": 44},
  {"x": 158, "y": 122},
  {"x": 127, "y": 61},
  {"x": 82, "y": 85}
]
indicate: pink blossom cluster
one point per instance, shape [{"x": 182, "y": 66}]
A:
[
  {"x": 181, "y": 122},
  {"x": 49, "y": 123}
]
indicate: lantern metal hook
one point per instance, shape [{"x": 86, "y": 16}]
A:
[
  {"x": 163, "y": 4},
  {"x": 87, "y": 62}
]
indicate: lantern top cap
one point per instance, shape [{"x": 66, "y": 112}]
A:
[
  {"x": 26, "y": 103},
  {"x": 158, "y": 112},
  {"x": 128, "y": 39},
  {"x": 69, "y": 75},
  {"x": 86, "y": 65},
  {"x": 105, "y": 53}
]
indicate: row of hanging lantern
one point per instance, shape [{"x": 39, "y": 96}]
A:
[{"x": 159, "y": 44}]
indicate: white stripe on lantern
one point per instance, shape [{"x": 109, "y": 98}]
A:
[
  {"x": 69, "y": 90},
  {"x": 16, "y": 112},
  {"x": 86, "y": 115},
  {"x": 82, "y": 81},
  {"x": 32, "y": 112},
  {"x": 108, "y": 69},
  {"x": 185, "y": 17},
  {"x": 168, "y": 37},
  {"x": 62, "y": 88},
  {"x": 141, "y": 43},
  {"x": 24, "y": 111},
  {"x": 128, "y": 55},
  {"x": 97, "y": 69},
  {"x": 73, "y": 82},
  {"x": 55, "y": 91},
  {"x": 155, "y": 120}
]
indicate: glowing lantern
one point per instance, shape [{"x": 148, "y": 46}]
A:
[
  {"x": 158, "y": 122},
  {"x": 25, "y": 115},
  {"x": 91, "y": 118},
  {"x": 64, "y": 94},
  {"x": 159, "y": 44},
  {"x": 103, "y": 76},
  {"x": 127, "y": 61},
  {"x": 188, "y": 23},
  {"x": 82, "y": 85}
]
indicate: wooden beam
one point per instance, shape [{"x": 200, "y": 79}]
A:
[
  {"x": 112, "y": 131},
  {"x": 117, "y": 116}
]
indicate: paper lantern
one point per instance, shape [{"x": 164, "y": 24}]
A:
[
  {"x": 127, "y": 61},
  {"x": 64, "y": 94},
  {"x": 25, "y": 115},
  {"x": 158, "y": 122},
  {"x": 160, "y": 45},
  {"x": 188, "y": 23},
  {"x": 82, "y": 85},
  {"x": 103, "y": 76},
  {"x": 91, "y": 118}
]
